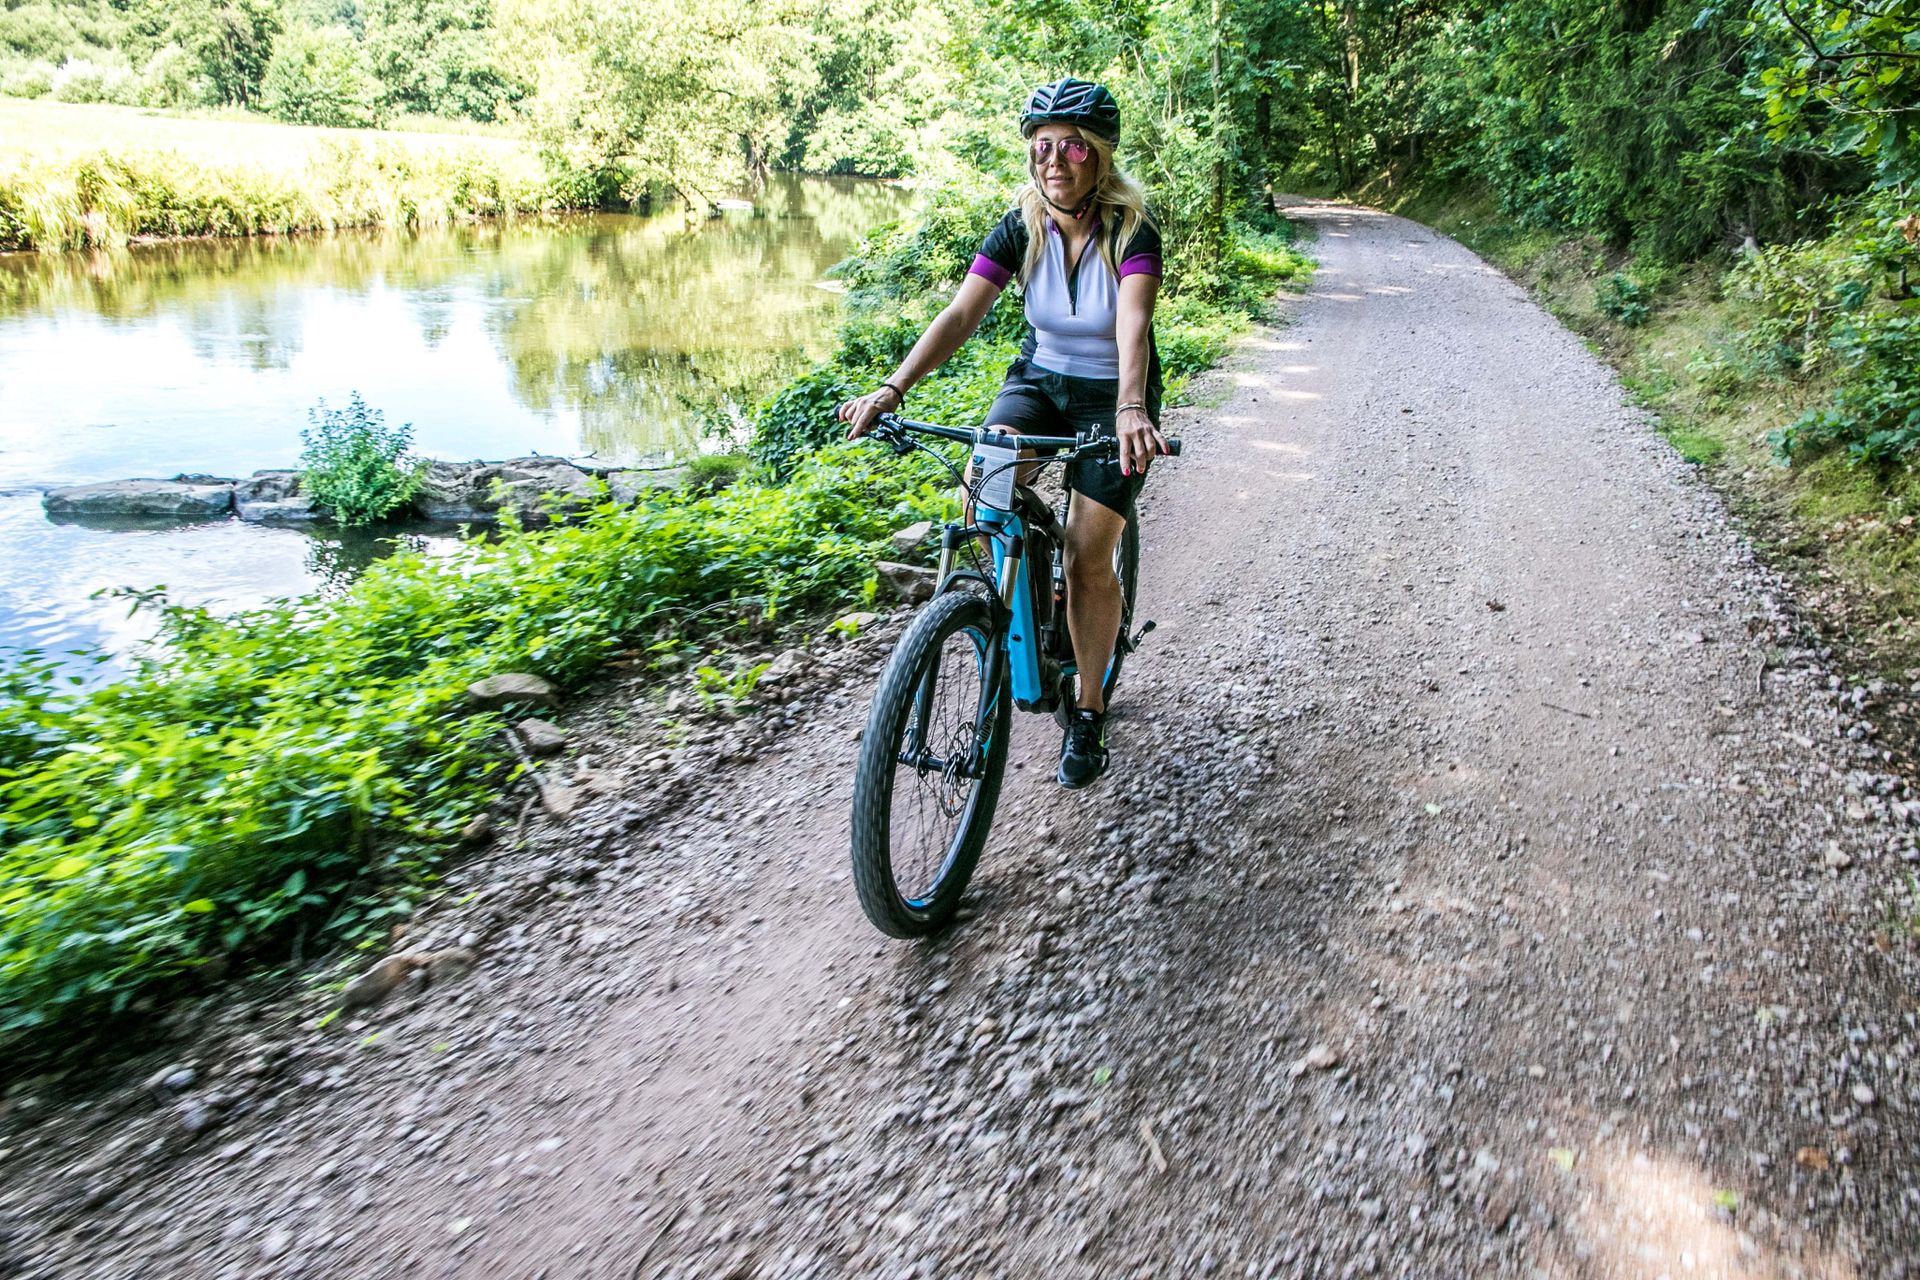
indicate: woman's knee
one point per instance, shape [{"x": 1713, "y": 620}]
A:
[{"x": 1088, "y": 564}]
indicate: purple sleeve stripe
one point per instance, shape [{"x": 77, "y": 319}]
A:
[
  {"x": 1141, "y": 264},
  {"x": 987, "y": 269}
]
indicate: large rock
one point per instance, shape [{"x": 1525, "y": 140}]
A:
[
  {"x": 906, "y": 582},
  {"x": 912, "y": 538},
  {"x": 542, "y": 737},
  {"x": 272, "y": 496},
  {"x": 183, "y": 498},
  {"x": 627, "y": 487},
  {"x": 513, "y": 689},
  {"x": 535, "y": 489}
]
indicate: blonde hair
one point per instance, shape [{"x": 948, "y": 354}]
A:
[{"x": 1118, "y": 201}]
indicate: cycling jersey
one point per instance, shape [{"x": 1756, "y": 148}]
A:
[{"x": 1072, "y": 309}]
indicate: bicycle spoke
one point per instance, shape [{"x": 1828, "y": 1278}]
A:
[{"x": 937, "y": 774}]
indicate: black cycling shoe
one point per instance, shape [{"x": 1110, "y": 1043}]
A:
[{"x": 1083, "y": 756}]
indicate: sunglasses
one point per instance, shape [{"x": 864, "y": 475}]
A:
[{"x": 1072, "y": 150}]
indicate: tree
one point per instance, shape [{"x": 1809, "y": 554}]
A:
[
  {"x": 659, "y": 95},
  {"x": 229, "y": 41},
  {"x": 1847, "y": 79},
  {"x": 319, "y": 76},
  {"x": 436, "y": 57}
]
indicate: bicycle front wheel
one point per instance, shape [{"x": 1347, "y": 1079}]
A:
[{"x": 931, "y": 763}]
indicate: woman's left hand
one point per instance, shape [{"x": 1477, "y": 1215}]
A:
[{"x": 1140, "y": 441}]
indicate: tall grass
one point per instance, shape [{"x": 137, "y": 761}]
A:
[{"x": 89, "y": 177}]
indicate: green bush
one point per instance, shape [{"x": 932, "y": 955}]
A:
[
  {"x": 868, "y": 143},
  {"x": 355, "y": 465},
  {"x": 712, "y": 472},
  {"x": 266, "y": 768},
  {"x": 1875, "y": 411},
  {"x": 320, "y": 76},
  {"x": 1624, "y": 299},
  {"x": 799, "y": 419}
]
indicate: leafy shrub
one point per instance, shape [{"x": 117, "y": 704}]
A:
[
  {"x": 54, "y": 202},
  {"x": 1837, "y": 313},
  {"x": 320, "y": 76},
  {"x": 79, "y": 80},
  {"x": 1624, "y": 299},
  {"x": 1875, "y": 411},
  {"x": 712, "y": 472},
  {"x": 799, "y": 418},
  {"x": 267, "y": 767},
  {"x": 355, "y": 465},
  {"x": 869, "y": 143},
  {"x": 34, "y": 80}
]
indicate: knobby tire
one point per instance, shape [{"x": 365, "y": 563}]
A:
[{"x": 904, "y": 700}]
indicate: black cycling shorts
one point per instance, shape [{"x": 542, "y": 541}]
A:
[{"x": 1040, "y": 402}]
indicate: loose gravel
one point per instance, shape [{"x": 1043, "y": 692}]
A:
[{"x": 1492, "y": 881}]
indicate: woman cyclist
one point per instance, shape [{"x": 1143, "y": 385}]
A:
[{"x": 1081, "y": 245}]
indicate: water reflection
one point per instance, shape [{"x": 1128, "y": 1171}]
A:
[
  {"x": 603, "y": 333},
  {"x": 612, "y": 336}
]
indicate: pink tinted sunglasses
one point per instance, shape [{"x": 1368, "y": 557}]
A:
[{"x": 1072, "y": 150}]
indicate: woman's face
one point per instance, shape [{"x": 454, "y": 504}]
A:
[{"x": 1060, "y": 179}]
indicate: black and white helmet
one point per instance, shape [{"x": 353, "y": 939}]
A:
[{"x": 1076, "y": 102}]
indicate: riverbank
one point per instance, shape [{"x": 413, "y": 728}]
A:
[
  {"x": 1684, "y": 342},
  {"x": 92, "y": 176},
  {"x": 284, "y": 779},
  {"x": 622, "y": 340}
]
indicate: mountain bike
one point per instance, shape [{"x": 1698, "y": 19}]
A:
[{"x": 993, "y": 638}]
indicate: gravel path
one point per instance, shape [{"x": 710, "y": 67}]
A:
[{"x": 1487, "y": 884}]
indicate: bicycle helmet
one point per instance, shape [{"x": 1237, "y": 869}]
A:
[{"x": 1071, "y": 101}]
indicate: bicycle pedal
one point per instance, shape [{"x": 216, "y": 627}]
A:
[{"x": 1141, "y": 634}]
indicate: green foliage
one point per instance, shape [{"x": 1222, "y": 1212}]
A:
[
  {"x": 1845, "y": 79},
  {"x": 267, "y": 767},
  {"x": 712, "y": 472},
  {"x": 149, "y": 53},
  {"x": 672, "y": 94},
  {"x": 436, "y": 57},
  {"x": 727, "y": 686},
  {"x": 1837, "y": 314},
  {"x": 799, "y": 419},
  {"x": 1875, "y": 412},
  {"x": 355, "y": 465},
  {"x": 230, "y": 42},
  {"x": 1624, "y": 299},
  {"x": 320, "y": 76},
  {"x": 102, "y": 200}
]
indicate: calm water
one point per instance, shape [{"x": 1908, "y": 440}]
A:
[{"x": 604, "y": 336}]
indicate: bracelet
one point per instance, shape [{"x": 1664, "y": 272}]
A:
[
  {"x": 1135, "y": 405},
  {"x": 896, "y": 391}
]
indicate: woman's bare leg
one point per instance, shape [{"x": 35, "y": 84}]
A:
[{"x": 1093, "y": 593}]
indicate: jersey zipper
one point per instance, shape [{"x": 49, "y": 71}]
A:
[{"x": 1073, "y": 275}]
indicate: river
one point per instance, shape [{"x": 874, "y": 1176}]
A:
[{"x": 610, "y": 336}]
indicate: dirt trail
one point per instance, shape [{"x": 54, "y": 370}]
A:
[{"x": 1464, "y": 901}]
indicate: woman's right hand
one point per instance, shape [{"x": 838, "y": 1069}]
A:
[{"x": 859, "y": 413}]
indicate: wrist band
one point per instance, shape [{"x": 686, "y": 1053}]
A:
[
  {"x": 1135, "y": 405},
  {"x": 896, "y": 391}
]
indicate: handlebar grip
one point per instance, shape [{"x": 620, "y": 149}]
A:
[{"x": 1173, "y": 447}]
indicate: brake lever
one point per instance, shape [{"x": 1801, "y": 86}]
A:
[{"x": 893, "y": 437}]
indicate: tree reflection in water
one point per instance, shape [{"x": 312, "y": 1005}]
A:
[{"x": 628, "y": 329}]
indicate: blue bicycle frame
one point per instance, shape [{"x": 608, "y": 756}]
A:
[{"x": 996, "y": 461}]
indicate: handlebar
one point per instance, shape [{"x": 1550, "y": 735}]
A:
[{"x": 1086, "y": 441}]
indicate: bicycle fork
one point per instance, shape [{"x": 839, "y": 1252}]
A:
[{"x": 917, "y": 751}]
